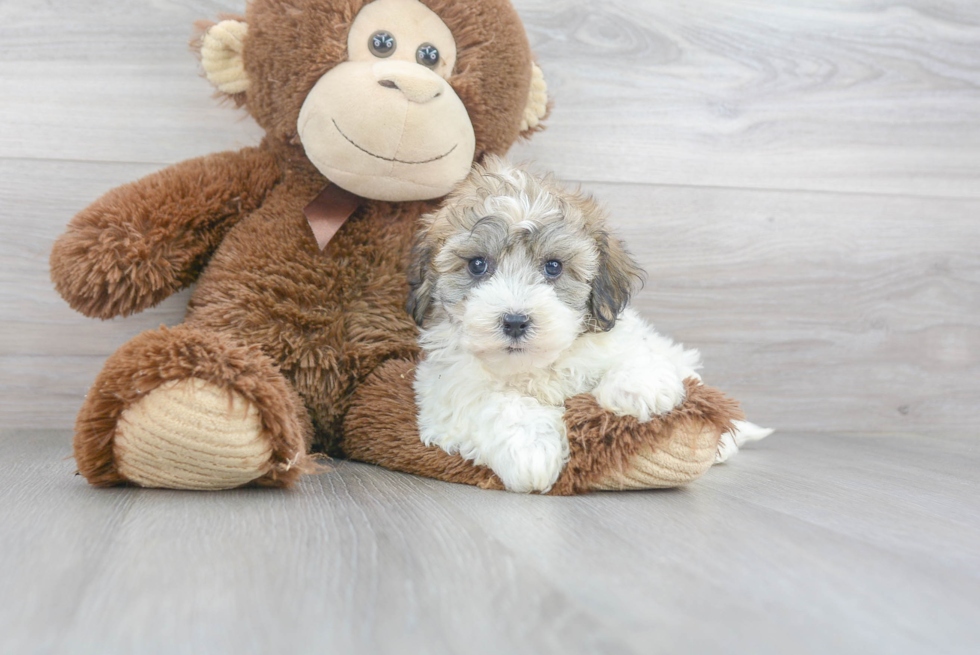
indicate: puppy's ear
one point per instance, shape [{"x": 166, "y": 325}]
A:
[
  {"x": 617, "y": 278},
  {"x": 421, "y": 281}
]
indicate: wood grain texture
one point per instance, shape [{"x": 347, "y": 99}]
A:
[
  {"x": 852, "y": 96},
  {"x": 818, "y": 311},
  {"x": 110, "y": 81},
  {"x": 873, "y": 96},
  {"x": 800, "y": 179},
  {"x": 803, "y": 544}
]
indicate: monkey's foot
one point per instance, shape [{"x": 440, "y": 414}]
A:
[
  {"x": 190, "y": 434},
  {"x": 685, "y": 456},
  {"x": 187, "y": 409},
  {"x": 612, "y": 452}
]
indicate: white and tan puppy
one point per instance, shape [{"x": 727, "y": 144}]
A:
[{"x": 522, "y": 298}]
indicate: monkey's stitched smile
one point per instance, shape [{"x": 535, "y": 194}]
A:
[{"x": 391, "y": 159}]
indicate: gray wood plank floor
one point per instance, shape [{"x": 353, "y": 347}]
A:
[
  {"x": 806, "y": 544},
  {"x": 802, "y": 182}
]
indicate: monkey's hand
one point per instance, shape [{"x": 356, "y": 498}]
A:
[{"x": 144, "y": 241}]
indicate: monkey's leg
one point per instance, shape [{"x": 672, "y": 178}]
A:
[
  {"x": 381, "y": 428},
  {"x": 607, "y": 452},
  {"x": 614, "y": 453},
  {"x": 183, "y": 408}
]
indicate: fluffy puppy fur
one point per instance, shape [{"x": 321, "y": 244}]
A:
[{"x": 522, "y": 297}]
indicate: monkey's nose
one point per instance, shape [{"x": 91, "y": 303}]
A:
[
  {"x": 418, "y": 84},
  {"x": 516, "y": 325}
]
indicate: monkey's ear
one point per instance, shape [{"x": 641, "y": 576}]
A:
[
  {"x": 221, "y": 55},
  {"x": 537, "y": 108},
  {"x": 615, "y": 282},
  {"x": 420, "y": 281}
]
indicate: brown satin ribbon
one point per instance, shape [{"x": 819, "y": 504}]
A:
[{"x": 329, "y": 211}]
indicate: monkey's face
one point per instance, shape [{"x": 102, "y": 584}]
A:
[
  {"x": 390, "y": 99},
  {"x": 386, "y": 124}
]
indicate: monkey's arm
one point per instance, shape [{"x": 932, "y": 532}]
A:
[{"x": 144, "y": 241}]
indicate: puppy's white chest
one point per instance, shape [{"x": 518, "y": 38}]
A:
[
  {"x": 544, "y": 385},
  {"x": 574, "y": 373}
]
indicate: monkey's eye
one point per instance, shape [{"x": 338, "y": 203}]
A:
[
  {"x": 478, "y": 267},
  {"x": 552, "y": 268},
  {"x": 427, "y": 55},
  {"x": 382, "y": 44}
]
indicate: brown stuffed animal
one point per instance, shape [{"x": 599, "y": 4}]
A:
[{"x": 296, "y": 336}]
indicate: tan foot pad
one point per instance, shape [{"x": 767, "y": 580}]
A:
[
  {"x": 191, "y": 434},
  {"x": 671, "y": 464}
]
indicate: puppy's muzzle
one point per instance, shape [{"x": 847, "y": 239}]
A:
[{"x": 515, "y": 326}]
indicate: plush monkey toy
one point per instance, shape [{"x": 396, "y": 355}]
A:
[{"x": 296, "y": 338}]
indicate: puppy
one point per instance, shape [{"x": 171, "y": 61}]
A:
[{"x": 522, "y": 297}]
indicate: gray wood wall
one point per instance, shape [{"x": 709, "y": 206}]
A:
[{"x": 801, "y": 180}]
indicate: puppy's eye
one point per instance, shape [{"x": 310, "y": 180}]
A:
[
  {"x": 478, "y": 266},
  {"x": 427, "y": 55},
  {"x": 552, "y": 268},
  {"x": 382, "y": 44}
]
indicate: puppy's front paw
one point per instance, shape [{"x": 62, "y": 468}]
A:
[
  {"x": 533, "y": 453},
  {"x": 643, "y": 393}
]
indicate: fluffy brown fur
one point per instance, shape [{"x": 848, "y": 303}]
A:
[
  {"x": 601, "y": 442},
  {"x": 145, "y": 241},
  {"x": 492, "y": 75},
  {"x": 159, "y": 356},
  {"x": 293, "y": 330}
]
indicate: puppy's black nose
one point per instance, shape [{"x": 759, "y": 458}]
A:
[{"x": 515, "y": 325}]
